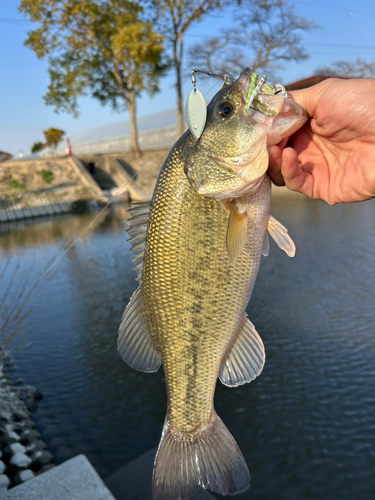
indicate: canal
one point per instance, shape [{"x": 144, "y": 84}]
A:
[{"x": 306, "y": 425}]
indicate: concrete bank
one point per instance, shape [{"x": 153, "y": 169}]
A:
[
  {"x": 75, "y": 479},
  {"x": 37, "y": 187},
  {"x": 46, "y": 186}
]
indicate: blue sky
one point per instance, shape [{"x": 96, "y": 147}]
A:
[{"x": 347, "y": 32}]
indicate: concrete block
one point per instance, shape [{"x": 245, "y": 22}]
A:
[
  {"x": 47, "y": 467},
  {"x": 42, "y": 457},
  {"x": 75, "y": 479},
  {"x": 36, "y": 445},
  {"x": 14, "y": 448},
  {"x": 9, "y": 427},
  {"x": 10, "y": 436},
  {"x": 67, "y": 206},
  {"x": 20, "y": 460},
  {"x": 6, "y": 415},
  {"x": 24, "y": 475},
  {"x": 30, "y": 435},
  {"x": 25, "y": 424},
  {"x": 4, "y": 483}
]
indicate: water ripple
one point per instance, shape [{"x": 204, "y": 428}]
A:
[{"x": 306, "y": 425}]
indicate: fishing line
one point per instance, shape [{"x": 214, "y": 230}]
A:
[
  {"x": 352, "y": 16},
  {"x": 114, "y": 197}
]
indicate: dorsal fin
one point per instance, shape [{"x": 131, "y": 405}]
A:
[
  {"x": 137, "y": 231},
  {"x": 245, "y": 359}
]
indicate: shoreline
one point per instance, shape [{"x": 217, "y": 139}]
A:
[
  {"x": 80, "y": 206},
  {"x": 23, "y": 455}
]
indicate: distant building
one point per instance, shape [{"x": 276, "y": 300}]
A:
[
  {"x": 4, "y": 156},
  {"x": 309, "y": 82}
]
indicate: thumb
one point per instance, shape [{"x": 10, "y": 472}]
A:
[{"x": 309, "y": 98}]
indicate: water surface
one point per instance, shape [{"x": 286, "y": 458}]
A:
[{"x": 306, "y": 425}]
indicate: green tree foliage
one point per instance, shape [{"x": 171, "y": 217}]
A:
[
  {"x": 355, "y": 69},
  {"x": 265, "y": 33},
  {"x": 103, "y": 49},
  {"x": 37, "y": 146},
  {"x": 53, "y": 137}
]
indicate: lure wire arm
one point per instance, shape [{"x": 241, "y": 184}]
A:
[
  {"x": 194, "y": 80},
  {"x": 227, "y": 78}
]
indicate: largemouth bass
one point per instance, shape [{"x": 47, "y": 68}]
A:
[{"x": 197, "y": 249}]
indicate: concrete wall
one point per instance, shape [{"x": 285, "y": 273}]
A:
[{"x": 37, "y": 187}]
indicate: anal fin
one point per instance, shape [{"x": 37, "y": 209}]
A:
[
  {"x": 245, "y": 359},
  {"x": 236, "y": 233},
  {"x": 134, "y": 342}
]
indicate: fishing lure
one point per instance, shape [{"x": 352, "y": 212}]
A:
[{"x": 196, "y": 110}]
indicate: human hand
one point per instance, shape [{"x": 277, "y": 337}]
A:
[{"x": 332, "y": 157}]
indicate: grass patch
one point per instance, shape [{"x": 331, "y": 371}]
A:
[
  {"x": 47, "y": 176},
  {"x": 13, "y": 184}
]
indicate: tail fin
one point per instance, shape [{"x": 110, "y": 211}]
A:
[{"x": 212, "y": 461}]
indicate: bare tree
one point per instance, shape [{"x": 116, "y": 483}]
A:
[
  {"x": 265, "y": 34},
  {"x": 356, "y": 69},
  {"x": 174, "y": 18}
]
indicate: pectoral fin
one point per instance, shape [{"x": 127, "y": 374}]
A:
[
  {"x": 245, "y": 359},
  {"x": 280, "y": 234},
  {"x": 134, "y": 342},
  {"x": 236, "y": 233}
]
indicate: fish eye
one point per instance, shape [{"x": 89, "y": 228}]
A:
[{"x": 225, "y": 109}]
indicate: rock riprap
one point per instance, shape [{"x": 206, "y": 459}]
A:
[{"x": 23, "y": 455}]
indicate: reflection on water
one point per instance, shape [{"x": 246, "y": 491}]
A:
[{"x": 306, "y": 425}]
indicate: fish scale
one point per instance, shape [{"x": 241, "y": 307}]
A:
[{"x": 193, "y": 279}]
